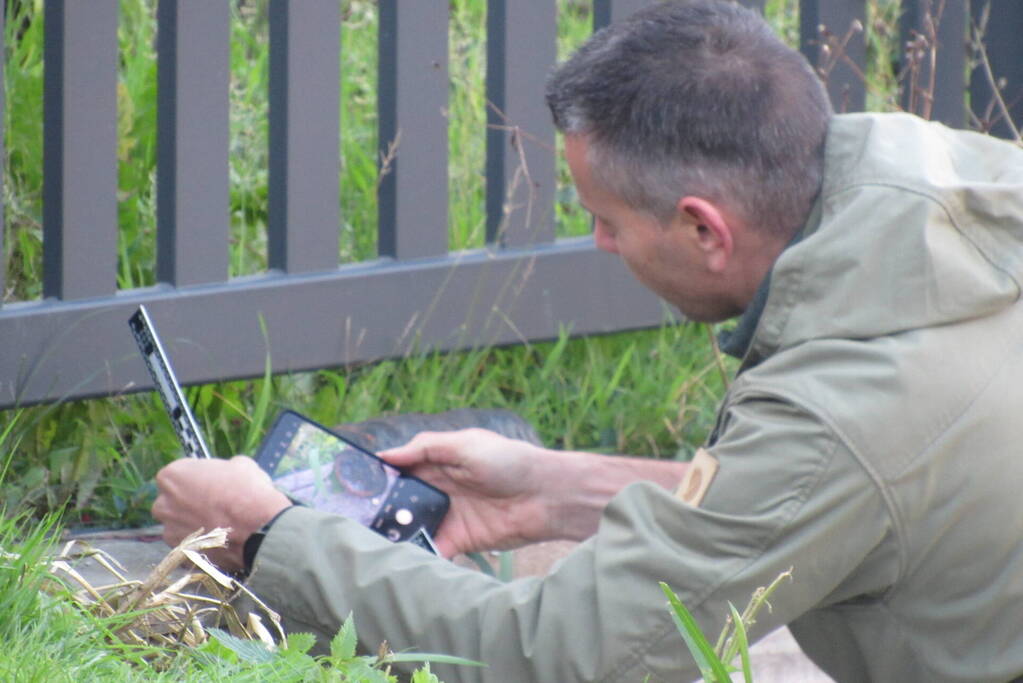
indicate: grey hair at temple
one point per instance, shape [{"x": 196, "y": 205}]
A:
[{"x": 698, "y": 97}]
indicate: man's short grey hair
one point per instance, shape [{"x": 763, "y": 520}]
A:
[{"x": 698, "y": 97}]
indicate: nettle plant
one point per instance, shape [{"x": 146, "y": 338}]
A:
[{"x": 291, "y": 659}]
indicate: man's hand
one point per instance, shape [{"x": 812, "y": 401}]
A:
[
  {"x": 507, "y": 493},
  {"x": 495, "y": 485},
  {"x": 206, "y": 494}
]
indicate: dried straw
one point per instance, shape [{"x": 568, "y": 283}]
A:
[{"x": 164, "y": 611}]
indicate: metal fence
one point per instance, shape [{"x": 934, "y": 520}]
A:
[{"x": 307, "y": 311}]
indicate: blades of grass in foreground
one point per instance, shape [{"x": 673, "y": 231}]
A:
[
  {"x": 741, "y": 642},
  {"x": 728, "y": 647},
  {"x": 44, "y": 638},
  {"x": 712, "y": 669},
  {"x": 414, "y": 657}
]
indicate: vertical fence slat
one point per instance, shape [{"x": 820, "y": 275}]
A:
[
  {"x": 80, "y": 149},
  {"x": 192, "y": 194},
  {"x": 758, "y": 5},
  {"x": 413, "y": 129},
  {"x": 521, "y": 48},
  {"x": 303, "y": 202},
  {"x": 846, "y": 87},
  {"x": 3, "y": 155},
  {"x": 1002, "y": 46},
  {"x": 942, "y": 98},
  {"x": 608, "y": 11}
]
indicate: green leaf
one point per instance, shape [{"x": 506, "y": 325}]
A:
[
  {"x": 343, "y": 645},
  {"x": 8, "y": 429},
  {"x": 213, "y": 651},
  {"x": 291, "y": 665},
  {"x": 204, "y": 398},
  {"x": 743, "y": 643},
  {"x": 424, "y": 676},
  {"x": 554, "y": 356},
  {"x": 710, "y": 665},
  {"x": 265, "y": 394},
  {"x": 35, "y": 477},
  {"x": 360, "y": 670},
  {"x": 616, "y": 379},
  {"x": 429, "y": 657},
  {"x": 251, "y": 651},
  {"x": 506, "y": 566},
  {"x": 299, "y": 642},
  {"x": 482, "y": 563}
]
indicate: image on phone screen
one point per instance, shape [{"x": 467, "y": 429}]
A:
[
  {"x": 318, "y": 468},
  {"x": 327, "y": 474}
]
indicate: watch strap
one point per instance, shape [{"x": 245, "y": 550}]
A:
[{"x": 255, "y": 540}]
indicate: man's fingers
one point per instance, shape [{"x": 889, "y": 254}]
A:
[
  {"x": 401, "y": 456},
  {"x": 425, "y": 447},
  {"x": 446, "y": 548}
]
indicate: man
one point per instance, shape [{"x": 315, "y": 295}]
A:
[{"x": 870, "y": 440}]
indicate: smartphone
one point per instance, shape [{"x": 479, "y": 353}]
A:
[
  {"x": 167, "y": 385},
  {"x": 323, "y": 470}
]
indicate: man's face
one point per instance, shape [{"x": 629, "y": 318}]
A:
[{"x": 665, "y": 257}]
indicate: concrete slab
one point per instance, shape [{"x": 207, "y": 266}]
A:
[
  {"x": 777, "y": 658},
  {"x": 134, "y": 554}
]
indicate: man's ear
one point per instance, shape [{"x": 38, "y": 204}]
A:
[{"x": 711, "y": 229}]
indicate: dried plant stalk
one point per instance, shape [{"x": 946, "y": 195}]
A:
[{"x": 165, "y": 610}]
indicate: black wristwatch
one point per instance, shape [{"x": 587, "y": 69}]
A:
[{"x": 255, "y": 540}]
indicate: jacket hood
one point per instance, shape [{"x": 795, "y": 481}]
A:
[{"x": 916, "y": 225}]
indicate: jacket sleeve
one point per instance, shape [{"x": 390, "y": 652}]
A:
[{"x": 786, "y": 494}]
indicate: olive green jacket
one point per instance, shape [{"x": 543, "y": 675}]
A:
[{"x": 873, "y": 441}]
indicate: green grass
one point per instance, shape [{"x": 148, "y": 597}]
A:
[
  {"x": 42, "y": 636},
  {"x": 648, "y": 392}
]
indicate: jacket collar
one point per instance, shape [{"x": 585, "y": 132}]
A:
[
  {"x": 736, "y": 341},
  {"x": 916, "y": 225}
]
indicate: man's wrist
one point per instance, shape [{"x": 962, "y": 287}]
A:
[
  {"x": 567, "y": 510},
  {"x": 255, "y": 540},
  {"x": 586, "y": 482}
]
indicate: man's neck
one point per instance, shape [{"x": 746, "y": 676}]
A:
[{"x": 757, "y": 258}]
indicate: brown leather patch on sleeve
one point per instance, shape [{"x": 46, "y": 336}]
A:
[{"x": 697, "y": 478}]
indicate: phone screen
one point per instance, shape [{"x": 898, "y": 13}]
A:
[
  {"x": 318, "y": 468},
  {"x": 328, "y": 474}
]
